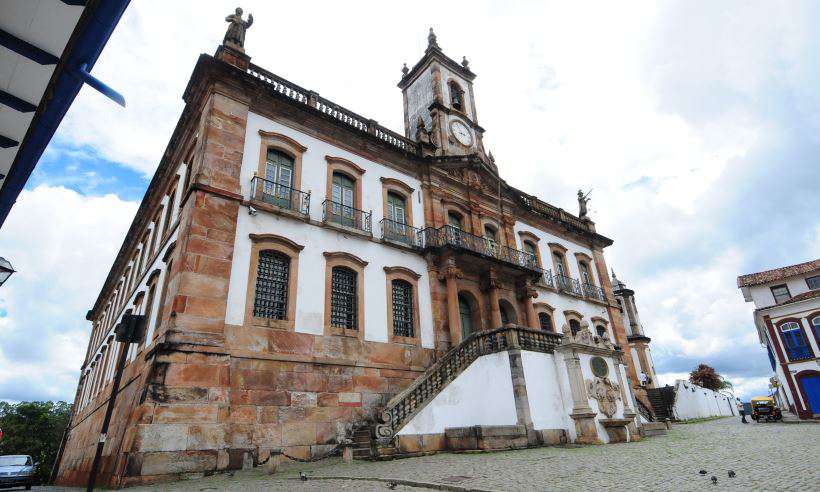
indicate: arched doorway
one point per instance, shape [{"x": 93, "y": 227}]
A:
[
  {"x": 508, "y": 314},
  {"x": 465, "y": 314}
]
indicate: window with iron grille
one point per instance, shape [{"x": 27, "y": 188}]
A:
[
  {"x": 343, "y": 298},
  {"x": 272, "y": 275},
  {"x": 545, "y": 320},
  {"x": 402, "y": 308}
]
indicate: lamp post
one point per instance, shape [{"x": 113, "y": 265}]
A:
[{"x": 5, "y": 270}]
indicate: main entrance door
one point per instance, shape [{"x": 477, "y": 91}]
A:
[
  {"x": 811, "y": 385},
  {"x": 465, "y": 314}
]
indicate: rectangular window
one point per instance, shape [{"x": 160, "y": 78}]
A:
[
  {"x": 402, "y": 308},
  {"x": 781, "y": 293},
  {"x": 272, "y": 276},
  {"x": 813, "y": 282},
  {"x": 343, "y": 298}
]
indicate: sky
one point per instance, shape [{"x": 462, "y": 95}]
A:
[{"x": 695, "y": 123}]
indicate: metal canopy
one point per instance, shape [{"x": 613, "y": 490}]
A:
[{"x": 47, "y": 48}]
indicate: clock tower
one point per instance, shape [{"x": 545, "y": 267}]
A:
[{"x": 439, "y": 104}]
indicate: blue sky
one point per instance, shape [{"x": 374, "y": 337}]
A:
[{"x": 696, "y": 123}]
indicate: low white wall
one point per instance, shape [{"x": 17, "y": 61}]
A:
[
  {"x": 693, "y": 402},
  {"x": 481, "y": 395},
  {"x": 548, "y": 407}
]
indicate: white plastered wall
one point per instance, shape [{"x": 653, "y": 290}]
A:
[
  {"x": 481, "y": 395},
  {"x": 310, "y": 296},
  {"x": 692, "y": 402},
  {"x": 548, "y": 391}
]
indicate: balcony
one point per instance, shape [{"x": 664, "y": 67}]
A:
[
  {"x": 799, "y": 352},
  {"x": 452, "y": 237},
  {"x": 594, "y": 292},
  {"x": 567, "y": 284},
  {"x": 545, "y": 279},
  {"x": 396, "y": 232},
  {"x": 280, "y": 196},
  {"x": 347, "y": 217}
]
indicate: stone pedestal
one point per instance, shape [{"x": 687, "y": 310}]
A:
[
  {"x": 234, "y": 55},
  {"x": 585, "y": 430},
  {"x": 347, "y": 454}
]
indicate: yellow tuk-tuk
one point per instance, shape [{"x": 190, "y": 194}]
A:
[{"x": 764, "y": 409}]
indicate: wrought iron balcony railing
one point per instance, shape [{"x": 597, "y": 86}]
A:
[
  {"x": 567, "y": 284},
  {"x": 799, "y": 352},
  {"x": 400, "y": 233},
  {"x": 280, "y": 195},
  {"x": 546, "y": 278},
  {"x": 456, "y": 238},
  {"x": 594, "y": 292},
  {"x": 346, "y": 216}
]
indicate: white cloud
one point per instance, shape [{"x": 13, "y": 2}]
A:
[{"x": 62, "y": 245}]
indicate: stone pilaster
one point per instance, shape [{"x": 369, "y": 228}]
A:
[
  {"x": 629, "y": 411},
  {"x": 450, "y": 274},
  {"x": 519, "y": 383},
  {"x": 582, "y": 414},
  {"x": 492, "y": 286}
]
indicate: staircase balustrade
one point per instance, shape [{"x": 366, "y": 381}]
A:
[{"x": 402, "y": 407}]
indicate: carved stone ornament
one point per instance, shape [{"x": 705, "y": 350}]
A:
[
  {"x": 472, "y": 179},
  {"x": 585, "y": 337},
  {"x": 384, "y": 430},
  {"x": 607, "y": 393}
]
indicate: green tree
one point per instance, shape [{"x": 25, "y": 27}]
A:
[
  {"x": 705, "y": 375},
  {"x": 36, "y": 429}
]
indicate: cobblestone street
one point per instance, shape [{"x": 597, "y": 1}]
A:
[{"x": 763, "y": 456}]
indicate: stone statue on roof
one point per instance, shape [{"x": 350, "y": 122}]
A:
[
  {"x": 582, "y": 203},
  {"x": 235, "y": 35}
]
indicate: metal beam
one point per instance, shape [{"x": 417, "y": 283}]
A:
[
  {"x": 7, "y": 143},
  {"x": 15, "y": 102},
  {"x": 26, "y": 49},
  {"x": 81, "y": 73}
]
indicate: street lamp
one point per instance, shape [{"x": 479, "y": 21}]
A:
[{"x": 5, "y": 270}]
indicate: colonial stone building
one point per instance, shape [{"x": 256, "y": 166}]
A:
[{"x": 311, "y": 279}]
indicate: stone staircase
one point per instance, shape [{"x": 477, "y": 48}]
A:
[
  {"x": 663, "y": 401},
  {"x": 405, "y": 405}
]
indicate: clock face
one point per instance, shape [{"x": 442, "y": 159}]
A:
[{"x": 461, "y": 132}]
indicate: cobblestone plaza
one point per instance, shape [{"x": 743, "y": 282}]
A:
[{"x": 761, "y": 455}]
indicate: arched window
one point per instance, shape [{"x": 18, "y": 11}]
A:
[
  {"x": 545, "y": 321},
  {"x": 507, "y": 312},
  {"x": 559, "y": 263},
  {"x": 585, "y": 276},
  {"x": 490, "y": 239},
  {"x": 815, "y": 326},
  {"x": 465, "y": 313},
  {"x": 344, "y": 199},
  {"x": 794, "y": 340},
  {"x": 402, "y": 308},
  {"x": 601, "y": 330},
  {"x": 574, "y": 326},
  {"x": 530, "y": 248},
  {"x": 272, "y": 281},
  {"x": 456, "y": 96},
  {"x": 454, "y": 220},
  {"x": 278, "y": 178},
  {"x": 396, "y": 218},
  {"x": 344, "y": 298}
]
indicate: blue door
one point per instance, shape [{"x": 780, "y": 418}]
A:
[{"x": 811, "y": 385}]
